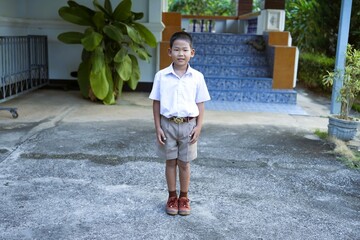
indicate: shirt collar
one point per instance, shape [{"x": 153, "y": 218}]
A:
[{"x": 170, "y": 69}]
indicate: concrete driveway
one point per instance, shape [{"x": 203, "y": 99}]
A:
[{"x": 71, "y": 169}]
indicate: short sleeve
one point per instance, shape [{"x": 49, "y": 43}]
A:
[
  {"x": 155, "y": 92},
  {"x": 202, "y": 91}
]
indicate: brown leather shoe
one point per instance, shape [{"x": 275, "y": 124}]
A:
[
  {"x": 172, "y": 206},
  {"x": 184, "y": 206}
]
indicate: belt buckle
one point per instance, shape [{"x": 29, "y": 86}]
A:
[{"x": 178, "y": 120}]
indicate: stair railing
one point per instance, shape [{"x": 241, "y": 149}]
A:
[{"x": 246, "y": 23}]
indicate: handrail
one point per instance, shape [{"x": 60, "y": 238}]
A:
[
  {"x": 209, "y": 17},
  {"x": 241, "y": 17},
  {"x": 248, "y": 15},
  {"x": 245, "y": 23}
]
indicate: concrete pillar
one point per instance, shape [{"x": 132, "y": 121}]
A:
[
  {"x": 285, "y": 60},
  {"x": 155, "y": 11},
  {"x": 342, "y": 42},
  {"x": 275, "y": 4},
  {"x": 155, "y": 25},
  {"x": 244, "y": 6}
]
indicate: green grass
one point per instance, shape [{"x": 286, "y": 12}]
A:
[
  {"x": 322, "y": 135},
  {"x": 348, "y": 156},
  {"x": 353, "y": 162}
]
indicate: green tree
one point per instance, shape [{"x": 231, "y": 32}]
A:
[
  {"x": 203, "y": 7},
  {"x": 314, "y": 24},
  {"x": 302, "y": 22},
  {"x": 256, "y": 5}
]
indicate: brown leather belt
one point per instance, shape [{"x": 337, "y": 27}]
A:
[{"x": 180, "y": 119}]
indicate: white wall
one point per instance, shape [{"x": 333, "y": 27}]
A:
[{"x": 40, "y": 17}]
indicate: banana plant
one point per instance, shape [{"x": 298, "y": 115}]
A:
[{"x": 112, "y": 42}]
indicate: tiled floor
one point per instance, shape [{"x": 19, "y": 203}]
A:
[{"x": 255, "y": 107}]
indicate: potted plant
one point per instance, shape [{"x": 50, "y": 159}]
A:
[
  {"x": 112, "y": 41},
  {"x": 344, "y": 126}
]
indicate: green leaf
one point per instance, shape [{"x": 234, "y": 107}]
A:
[
  {"x": 113, "y": 32},
  {"x": 137, "y": 16},
  {"x": 135, "y": 76},
  {"x": 118, "y": 83},
  {"x": 141, "y": 52},
  {"x": 99, "y": 83},
  {"x": 71, "y": 37},
  {"x": 133, "y": 34},
  {"x": 101, "y": 8},
  {"x": 84, "y": 78},
  {"x": 86, "y": 55},
  {"x": 120, "y": 55},
  {"x": 76, "y": 15},
  {"x": 91, "y": 41},
  {"x": 110, "y": 98},
  {"x": 124, "y": 68},
  {"x": 123, "y": 11},
  {"x": 108, "y": 6},
  {"x": 82, "y": 7},
  {"x": 99, "y": 20},
  {"x": 98, "y": 60},
  {"x": 146, "y": 34}
]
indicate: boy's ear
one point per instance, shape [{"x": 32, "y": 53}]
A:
[
  {"x": 192, "y": 52},
  {"x": 169, "y": 52}
]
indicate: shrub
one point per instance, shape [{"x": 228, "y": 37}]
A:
[
  {"x": 312, "y": 68},
  {"x": 112, "y": 41}
]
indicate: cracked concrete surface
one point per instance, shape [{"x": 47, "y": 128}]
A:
[{"x": 79, "y": 170}]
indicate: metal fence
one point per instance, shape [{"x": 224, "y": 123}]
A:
[{"x": 23, "y": 65}]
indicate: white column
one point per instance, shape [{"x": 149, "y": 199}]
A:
[
  {"x": 156, "y": 27},
  {"x": 342, "y": 42},
  {"x": 271, "y": 20},
  {"x": 155, "y": 10},
  {"x": 155, "y": 18}
]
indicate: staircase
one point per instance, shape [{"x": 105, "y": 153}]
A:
[{"x": 235, "y": 71}]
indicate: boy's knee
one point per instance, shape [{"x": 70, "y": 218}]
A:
[
  {"x": 183, "y": 165},
  {"x": 171, "y": 163}
]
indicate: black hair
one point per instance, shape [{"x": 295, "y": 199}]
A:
[{"x": 181, "y": 35}]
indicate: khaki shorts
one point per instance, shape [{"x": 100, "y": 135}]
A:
[{"x": 177, "y": 144}]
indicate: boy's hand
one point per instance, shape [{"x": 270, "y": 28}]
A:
[
  {"x": 194, "y": 135},
  {"x": 160, "y": 136}
]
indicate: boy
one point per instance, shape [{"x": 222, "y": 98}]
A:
[{"x": 178, "y": 95}]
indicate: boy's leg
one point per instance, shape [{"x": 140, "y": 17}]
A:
[
  {"x": 170, "y": 172},
  {"x": 184, "y": 175}
]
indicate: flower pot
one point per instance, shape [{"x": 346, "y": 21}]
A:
[{"x": 342, "y": 129}]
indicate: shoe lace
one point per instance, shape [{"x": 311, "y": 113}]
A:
[
  {"x": 172, "y": 202},
  {"x": 183, "y": 202}
]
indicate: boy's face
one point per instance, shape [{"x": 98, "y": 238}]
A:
[{"x": 181, "y": 52}]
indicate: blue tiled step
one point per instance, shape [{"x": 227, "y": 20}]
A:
[
  {"x": 226, "y": 49},
  {"x": 231, "y": 71},
  {"x": 235, "y": 71},
  {"x": 292, "y": 109},
  {"x": 230, "y": 60},
  {"x": 224, "y": 38},
  {"x": 236, "y": 83},
  {"x": 250, "y": 95}
]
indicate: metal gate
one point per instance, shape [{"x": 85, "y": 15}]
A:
[{"x": 23, "y": 65}]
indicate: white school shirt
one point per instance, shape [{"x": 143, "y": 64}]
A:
[{"x": 178, "y": 96}]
